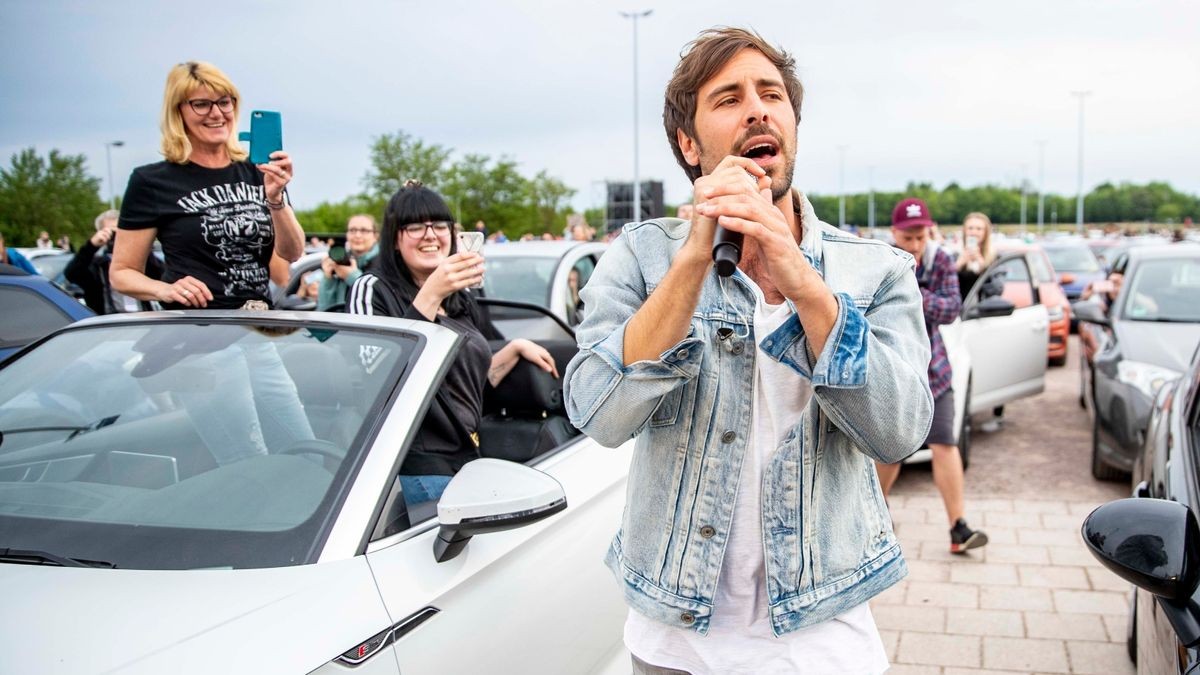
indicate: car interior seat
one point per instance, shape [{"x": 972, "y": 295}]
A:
[
  {"x": 524, "y": 416},
  {"x": 326, "y": 389}
]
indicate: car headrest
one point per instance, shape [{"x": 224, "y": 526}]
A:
[
  {"x": 527, "y": 391},
  {"x": 320, "y": 374}
]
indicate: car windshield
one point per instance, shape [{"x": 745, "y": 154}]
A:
[
  {"x": 520, "y": 278},
  {"x": 176, "y": 445},
  {"x": 1164, "y": 290},
  {"x": 1072, "y": 259},
  {"x": 50, "y": 266}
]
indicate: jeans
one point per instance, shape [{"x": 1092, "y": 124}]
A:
[
  {"x": 421, "y": 489},
  {"x": 251, "y": 407}
]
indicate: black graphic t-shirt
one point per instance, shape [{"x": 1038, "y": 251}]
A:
[{"x": 213, "y": 224}]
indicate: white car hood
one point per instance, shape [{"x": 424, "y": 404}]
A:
[{"x": 284, "y": 620}]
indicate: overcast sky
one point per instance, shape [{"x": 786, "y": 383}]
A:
[{"x": 918, "y": 90}]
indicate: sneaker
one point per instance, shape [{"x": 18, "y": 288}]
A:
[
  {"x": 991, "y": 426},
  {"x": 963, "y": 538}
]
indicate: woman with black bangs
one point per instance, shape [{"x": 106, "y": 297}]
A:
[{"x": 420, "y": 275}]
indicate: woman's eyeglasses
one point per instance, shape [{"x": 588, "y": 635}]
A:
[
  {"x": 417, "y": 230},
  {"x": 202, "y": 106}
]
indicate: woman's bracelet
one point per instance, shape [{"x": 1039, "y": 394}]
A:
[{"x": 276, "y": 206}]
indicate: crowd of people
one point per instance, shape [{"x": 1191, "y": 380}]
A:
[{"x": 765, "y": 552}]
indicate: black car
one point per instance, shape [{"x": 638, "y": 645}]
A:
[
  {"x": 1153, "y": 540},
  {"x": 1144, "y": 339}
]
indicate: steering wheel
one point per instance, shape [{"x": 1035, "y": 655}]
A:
[{"x": 316, "y": 446}]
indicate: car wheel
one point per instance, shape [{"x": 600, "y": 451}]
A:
[
  {"x": 964, "y": 431},
  {"x": 1131, "y": 628},
  {"x": 1100, "y": 470}
]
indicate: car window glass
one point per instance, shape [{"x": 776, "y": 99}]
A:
[
  {"x": 1015, "y": 275},
  {"x": 176, "y": 445},
  {"x": 1043, "y": 273},
  {"x": 519, "y": 278},
  {"x": 38, "y": 316},
  {"x": 1164, "y": 290},
  {"x": 1072, "y": 259}
]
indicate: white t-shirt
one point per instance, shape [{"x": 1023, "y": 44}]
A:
[{"x": 739, "y": 639}]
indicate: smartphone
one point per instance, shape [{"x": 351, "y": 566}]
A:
[
  {"x": 972, "y": 242},
  {"x": 265, "y": 135},
  {"x": 470, "y": 242}
]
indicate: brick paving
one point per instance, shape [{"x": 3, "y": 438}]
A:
[{"x": 1032, "y": 601}]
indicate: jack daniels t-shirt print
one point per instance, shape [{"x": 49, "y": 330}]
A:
[{"x": 213, "y": 225}]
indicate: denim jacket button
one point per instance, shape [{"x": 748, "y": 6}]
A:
[
  {"x": 681, "y": 354},
  {"x": 688, "y": 618},
  {"x": 739, "y": 348},
  {"x": 728, "y": 436},
  {"x": 708, "y": 531}
]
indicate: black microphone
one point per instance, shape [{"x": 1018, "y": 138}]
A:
[{"x": 727, "y": 250}]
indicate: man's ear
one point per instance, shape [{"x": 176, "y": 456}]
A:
[{"x": 689, "y": 148}]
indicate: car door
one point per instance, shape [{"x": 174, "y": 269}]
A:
[
  {"x": 537, "y": 599},
  {"x": 1007, "y": 353}
]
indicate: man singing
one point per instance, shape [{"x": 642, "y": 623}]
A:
[{"x": 754, "y": 530}]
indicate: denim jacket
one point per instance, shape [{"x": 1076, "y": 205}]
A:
[{"x": 827, "y": 537}]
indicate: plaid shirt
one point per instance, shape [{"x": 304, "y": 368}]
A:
[{"x": 941, "y": 301}]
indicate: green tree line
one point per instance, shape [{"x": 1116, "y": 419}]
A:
[
  {"x": 1155, "y": 202},
  {"x": 477, "y": 187},
  {"x": 55, "y": 192}
]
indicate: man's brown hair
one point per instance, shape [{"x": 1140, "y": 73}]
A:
[{"x": 701, "y": 59}]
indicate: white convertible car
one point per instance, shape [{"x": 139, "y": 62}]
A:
[{"x": 164, "y": 509}]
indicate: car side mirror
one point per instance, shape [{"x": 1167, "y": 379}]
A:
[
  {"x": 1153, "y": 544},
  {"x": 989, "y": 307},
  {"x": 1091, "y": 312},
  {"x": 492, "y": 495}
]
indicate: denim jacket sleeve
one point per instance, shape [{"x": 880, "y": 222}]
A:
[
  {"x": 871, "y": 377},
  {"x": 607, "y": 400}
]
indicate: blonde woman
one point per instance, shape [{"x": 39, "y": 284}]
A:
[
  {"x": 977, "y": 251},
  {"x": 218, "y": 217}
]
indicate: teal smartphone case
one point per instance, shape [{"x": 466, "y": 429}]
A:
[{"x": 265, "y": 135}]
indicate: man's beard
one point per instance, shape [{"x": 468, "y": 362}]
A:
[{"x": 781, "y": 185}]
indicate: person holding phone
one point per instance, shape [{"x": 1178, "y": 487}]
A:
[
  {"x": 218, "y": 217},
  {"x": 343, "y": 267},
  {"x": 421, "y": 275},
  {"x": 977, "y": 253},
  {"x": 89, "y": 269}
]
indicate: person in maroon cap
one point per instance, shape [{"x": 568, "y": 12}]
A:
[{"x": 936, "y": 276}]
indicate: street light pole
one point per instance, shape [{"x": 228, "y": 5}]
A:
[
  {"x": 1041, "y": 187},
  {"x": 841, "y": 186},
  {"x": 112, "y": 190},
  {"x": 1081, "y": 95},
  {"x": 1024, "y": 194},
  {"x": 871, "y": 200},
  {"x": 637, "y": 186}
]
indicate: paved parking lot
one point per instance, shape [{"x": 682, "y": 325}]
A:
[{"x": 1033, "y": 600}]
